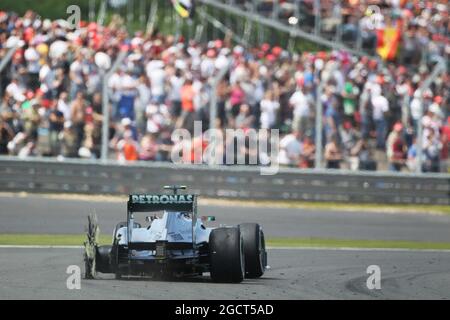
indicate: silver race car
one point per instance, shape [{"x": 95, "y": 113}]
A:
[{"x": 175, "y": 243}]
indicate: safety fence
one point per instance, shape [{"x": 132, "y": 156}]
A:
[{"x": 245, "y": 183}]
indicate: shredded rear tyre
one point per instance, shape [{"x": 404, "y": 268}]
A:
[{"x": 90, "y": 247}]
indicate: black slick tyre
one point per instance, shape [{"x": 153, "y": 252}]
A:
[
  {"x": 227, "y": 255},
  {"x": 254, "y": 249}
]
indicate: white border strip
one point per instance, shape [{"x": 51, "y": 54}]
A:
[
  {"x": 7, "y": 246},
  {"x": 359, "y": 249},
  {"x": 268, "y": 248}
]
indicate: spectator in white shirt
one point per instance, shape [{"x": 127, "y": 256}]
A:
[
  {"x": 176, "y": 82},
  {"x": 415, "y": 109},
  {"x": 269, "y": 107},
  {"x": 380, "y": 106},
  {"x": 157, "y": 75},
  {"x": 33, "y": 67},
  {"x": 290, "y": 149},
  {"x": 128, "y": 92},
  {"x": 15, "y": 90},
  {"x": 64, "y": 106},
  {"x": 299, "y": 103}
]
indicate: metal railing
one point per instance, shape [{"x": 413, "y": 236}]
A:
[
  {"x": 294, "y": 31},
  {"x": 90, "y": 177}
]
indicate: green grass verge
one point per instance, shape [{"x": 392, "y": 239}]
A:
[
  {"x": 336, "y": 206},
  {"x": 75, "y": 239},
  {"x": 378, "y": 207},
  {"x": 348, "y": 243},
  {"x": 49, "y": 239}
]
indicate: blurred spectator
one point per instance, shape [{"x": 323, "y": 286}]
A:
[
  {"x": 301, "y": 110},
  {"x": 244, "y": 120},
  {"x": 6, "y": 135},
  {"x": 56, "y": 126},
  {"x": 307, "y": 156},
  {"x": 127, "y": 147},
  {"x": 396, "y": 148},
  {"x": 431, "y": 148},
  {"x": 269, "y": 107},
  {"x": 63, "y": 106},
  {"x": 362, "y": 157},
  {"x": 333, "y": 154},
  {"x": 149, "y": 148},
  {"x": 78, "y": 117},
  {"x": 349, "y": 137},
  {"x": 77, "y": 78},
  {"x": 380, "y": 106},
  {"x": 127, "y": 95},
  {"x": 290, "y": 149},
  {"x": 445, "y": 152},
  {"x": 157, "y": 76},
  {"x": 187, "y": 105},
  {"x": 411, "y": 161},
  {"x": 349, "y": 96},
  {"x": 237, "y": 97},
  {"x": 31, "y": 119},
  {"x": 92, "y": 141},
  {"x": 69, "y": 141},
  {"x": 176, "y": 82}
]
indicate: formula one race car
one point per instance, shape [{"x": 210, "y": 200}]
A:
[{"x": 175, "y": 243}]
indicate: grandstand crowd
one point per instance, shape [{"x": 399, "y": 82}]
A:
[{"x": 51, "y": 103}]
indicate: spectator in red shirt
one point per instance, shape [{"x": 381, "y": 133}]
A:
[
  {"x": 396, "y": 148},
  {"x": 237, "y": 98},
  {"x": 186, "y": 119}
]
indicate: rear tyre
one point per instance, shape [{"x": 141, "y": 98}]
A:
[
  {"x": 226, "y": 250},
  {"x": 103, "y": 259},
  {"x": 254, "y": 249}
]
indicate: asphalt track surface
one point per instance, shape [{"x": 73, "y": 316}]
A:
[
  {"x": 295, "y": 274},
  {"x": 40, "y": 215},
  {"x": 40, "y": 273}
]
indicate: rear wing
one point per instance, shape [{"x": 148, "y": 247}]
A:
[{"x": 157, "y": 202}]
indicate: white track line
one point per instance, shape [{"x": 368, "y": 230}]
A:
[
  {"x": 358, "y": 249},
  {"x": 269, "y": 248},
  {"x": 7, "y": 246}
]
